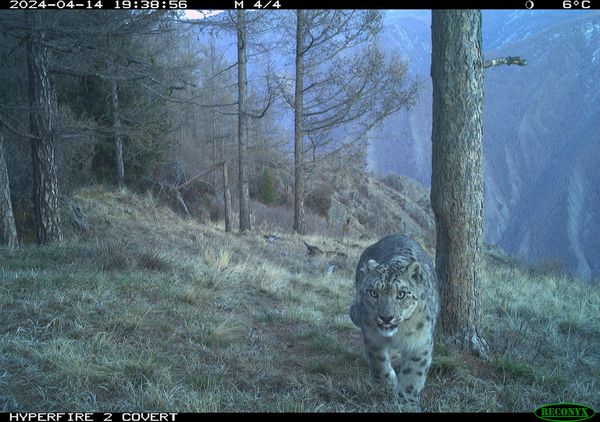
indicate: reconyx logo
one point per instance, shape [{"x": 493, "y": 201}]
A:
[{"x": 564, "y": 412}]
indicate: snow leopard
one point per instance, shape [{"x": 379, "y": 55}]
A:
[{"x": 396, "y": 307}]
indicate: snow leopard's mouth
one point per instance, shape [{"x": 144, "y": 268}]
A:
[{"x": 387, "y": 329}]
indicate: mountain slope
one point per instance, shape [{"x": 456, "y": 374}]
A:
[{"x": 541, "y": 131}]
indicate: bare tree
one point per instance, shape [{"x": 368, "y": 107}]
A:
[
  {"x": 298, "y": 129},
  {"x": 457, "y": 172},
  {"x": 117, "y": 129},
  {"x": 244, "y": 192},
  {"x": 341, "y": 81}
]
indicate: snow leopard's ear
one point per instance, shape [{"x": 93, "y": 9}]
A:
[
  {"x": 368, "y": 266},
  {"x": 371, "y": 265},
  {"x": 414, "y": 271}
]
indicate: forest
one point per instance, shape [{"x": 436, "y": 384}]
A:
[{"x": 198, "y": 108}]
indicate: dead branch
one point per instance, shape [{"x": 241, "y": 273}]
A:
[
  {"x": 199, "y": 176},
  {"x": 226, "y": 194},
  {"x": 316, "y": 251},
  {"x": 505, "y": 60}
]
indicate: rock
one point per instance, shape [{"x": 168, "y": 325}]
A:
[{"x": 337, "y": 215}]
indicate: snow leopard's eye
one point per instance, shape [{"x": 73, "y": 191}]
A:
[
  {"x": 401, "y": 295},
  {"x": 373, "y": 293}
]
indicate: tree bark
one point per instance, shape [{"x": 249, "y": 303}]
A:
[
  {"x": 226, "y": 199},
  {"x": 457, "y": 172},
  {"x": 42, "y": 102},
  {"x": 8, "y": 229},
  {"x": 298, "y": 129},
  {"x": 244, "y": 192},
  {"x": 116, "y": 122},
  {"x": 212, "y": 110},
  {"x": 117, "y": 133}
]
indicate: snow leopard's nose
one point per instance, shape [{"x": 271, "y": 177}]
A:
[{"x": 386, "y": 319}]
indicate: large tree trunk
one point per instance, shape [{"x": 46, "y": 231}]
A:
[
  {"x": 42, "y": 102},
  {"x": 298, "y": 130},
  {"x": 244, "y": 192},
  {"x": 457, "y": 172},
  {"x": 8, "y": 230}
]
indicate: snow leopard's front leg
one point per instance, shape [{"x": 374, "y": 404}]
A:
[
  {"x": 380, "y": 363},
  {"x": 412, "y": 372}
]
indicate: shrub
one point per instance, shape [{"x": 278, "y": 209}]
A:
[
  {"x": 319, "y": 199},
  {"x": 266, "y": 191}
]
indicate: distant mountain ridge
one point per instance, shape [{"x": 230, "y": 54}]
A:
[
  {"x": 541, "y": 131},
  {"x": 543, "y": 121}
]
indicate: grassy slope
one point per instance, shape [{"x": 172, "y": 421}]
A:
[{"x": 146, "y": 311}]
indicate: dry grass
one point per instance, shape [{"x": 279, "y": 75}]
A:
[{"x": 146, "y": 311}]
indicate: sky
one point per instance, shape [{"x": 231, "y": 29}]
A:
[{"x": 200, "y": 14}]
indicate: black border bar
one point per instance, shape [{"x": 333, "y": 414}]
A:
[
  {"x": 193, "y": 417},
  {"x": 398, "y": 4},
  {"x": 301, "y": 4}
]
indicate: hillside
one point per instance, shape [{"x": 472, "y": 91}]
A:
[
  {"x": 140, "y": 310},
  {"x": 542, "y": 182}
]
